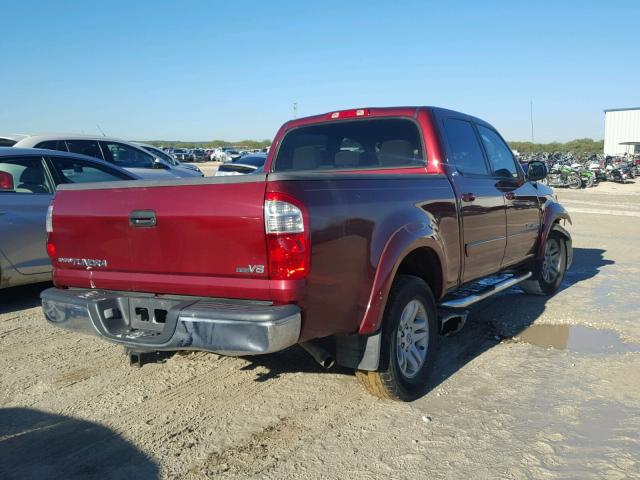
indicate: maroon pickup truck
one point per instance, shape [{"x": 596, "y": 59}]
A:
[{"x": 365, "y": 238}]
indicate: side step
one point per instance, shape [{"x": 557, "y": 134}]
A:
[{"x": 466, "y": 300}]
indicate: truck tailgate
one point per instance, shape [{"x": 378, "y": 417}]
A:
[{"x": 204, "y": 229}]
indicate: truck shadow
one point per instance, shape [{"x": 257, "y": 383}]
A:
[
  {"x": 36, "y": 445},
  {"x": 490, "y": 322},
  {"x": 505, "y": 316},
  {"x": 13, "y": 299}
]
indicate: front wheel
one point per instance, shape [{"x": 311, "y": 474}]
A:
[
  {"x": 409, "y": 341},
  {"x": 548, "y": 272},
  {"x": 574, "y": 181}
]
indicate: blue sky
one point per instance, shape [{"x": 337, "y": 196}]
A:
[{"x": 199, "y": 70}]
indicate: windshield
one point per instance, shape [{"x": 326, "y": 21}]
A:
[
  {"x": 162, "y": 155},
  {"x": 376, "y": 143}
]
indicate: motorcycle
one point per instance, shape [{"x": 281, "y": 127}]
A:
[
  {"x": 563, "y": 176},
  {"x": 587, "y": 177},
  {"x": 597, "y": 171},
  {"x": 614, "y": 174}
]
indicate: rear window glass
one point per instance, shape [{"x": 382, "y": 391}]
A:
[
  {"x": 464, "y": 148},
  {"x": 85, "y": 147},
  {"x": 254, "y": 160},
  {"x": 351, "y": 145},
  {"x": 78, "y": 171}
]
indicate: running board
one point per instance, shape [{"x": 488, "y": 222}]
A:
[{"x": 464, "y": 302}]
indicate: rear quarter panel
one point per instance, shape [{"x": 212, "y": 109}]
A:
[{"x": 354, "y": 220}]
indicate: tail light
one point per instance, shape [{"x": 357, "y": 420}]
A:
[
  {"x": 6, "y": 181},
  {"x": 51, "y": 247},
  {"x": 286, "y": 227}
]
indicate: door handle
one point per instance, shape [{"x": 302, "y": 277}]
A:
[
  {"x": 510, "y": 196},
  {"x": 467, "y": 197},
  {"x": 143, "y": 218}
]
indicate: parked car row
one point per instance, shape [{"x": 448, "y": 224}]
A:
[
  {"x": 218, "y": 154},
  {"x": 141, "y": 159}
]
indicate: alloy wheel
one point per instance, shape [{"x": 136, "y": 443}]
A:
[{"x": 412, "y": 339}]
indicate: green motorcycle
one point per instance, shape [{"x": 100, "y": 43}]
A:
[
  {"x": 563, "y": 176},
  {"x": 587, "y": 177}
]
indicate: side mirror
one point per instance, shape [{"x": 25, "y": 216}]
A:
[
  {"x": 157, "y": 163},
  {"x": 6, "y": 181},
  {"x": 537, "y": 170}
]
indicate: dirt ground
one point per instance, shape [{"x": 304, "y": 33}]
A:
[{"x": 502, "y": 404}]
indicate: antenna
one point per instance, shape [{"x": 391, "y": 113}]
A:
[
  {"x": 295, "y": 109},
  {"x": 531, "y": 114},
  {"x": 103, "y": 134}
]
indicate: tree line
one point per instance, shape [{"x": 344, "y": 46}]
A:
[{"x": 580, "y": 145}]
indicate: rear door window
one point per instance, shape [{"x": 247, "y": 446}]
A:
[
  {"x": 24, "y": 175},
  {"x": 85, "y": 147},
  {"x": 126, "y": 156},
  {"x": 379, "y": 143},
  {"x": 498, "y": 153},
  {"x": 464, "y": 148},
  {"x": 71, "y": 170},
  {"x": 53, "y": 145}
]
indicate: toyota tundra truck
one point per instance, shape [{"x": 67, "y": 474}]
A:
[{"x": 367, "y": 236}]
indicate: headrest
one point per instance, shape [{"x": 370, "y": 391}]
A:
[
  {"x": 306, "y": 158},
  {"x": 395, "y": 152},
  {"x": 32, "y": 176},
  {"x": 347, "y": 158}
]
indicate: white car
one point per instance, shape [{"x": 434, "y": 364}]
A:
[{"x": 124, "y": 154}]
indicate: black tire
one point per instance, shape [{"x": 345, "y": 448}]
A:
[
  {"x": 391, "y": 381},
  {"x": 542, "y": 283},
  {"x": 574, "y": 181}
]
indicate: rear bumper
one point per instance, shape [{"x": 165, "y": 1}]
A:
[{"x": 145, "y": 322}]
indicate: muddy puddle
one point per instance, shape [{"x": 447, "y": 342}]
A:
[{"x": 576, "y": 338}]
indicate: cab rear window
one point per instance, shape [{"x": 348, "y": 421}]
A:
[{"x": 376, "y": 143}]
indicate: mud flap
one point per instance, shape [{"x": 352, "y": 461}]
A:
[{"x": 361, "y": 352}]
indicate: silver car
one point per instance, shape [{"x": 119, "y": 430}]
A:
[
  {"x": 252, "y": 163},
  {"x": 112, "y": 150},
  {"x": 157, "y": 152},
  {"x": 28, "y": 179}
]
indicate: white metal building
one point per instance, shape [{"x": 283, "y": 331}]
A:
[{"x": 622, "y": 131}]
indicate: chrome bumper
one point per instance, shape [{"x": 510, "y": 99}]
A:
[{"x": 145, "y": 322}]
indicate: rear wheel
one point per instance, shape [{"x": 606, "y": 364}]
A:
[
  {"x": 548, "y": 272},
  {"x": 409, "y": 340}
]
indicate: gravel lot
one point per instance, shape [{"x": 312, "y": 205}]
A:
[{"x": 501, "y": 405}]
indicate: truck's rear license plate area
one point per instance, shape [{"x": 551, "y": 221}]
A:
[{"x": 149, "y": 315}]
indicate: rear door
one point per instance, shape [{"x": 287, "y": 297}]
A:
[
  {"x": 481, "y": 202},
  {"x": 85, "y": 147},
  {"x": 126, "y": 156},
  {"x": 23, "y": 210},
  {"x": 521, "y": 198}
]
